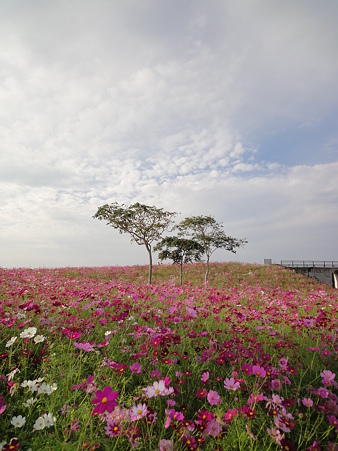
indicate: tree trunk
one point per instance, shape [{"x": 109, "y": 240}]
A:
[
  {"x": 207, "y": 271},
  {"x": 150, "y": 264}
]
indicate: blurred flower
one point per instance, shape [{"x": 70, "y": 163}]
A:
[
  {"x": 28, "y": 333},
  {"x": 138, "y": 412},
  {"x": 213, "y": 428},
  {"x": 214, "y": 398},
  {"x": 230, "y": 384},
  {"x": 11, "y": 342},
  {"x": 18, "y": 421},
  {"x": 307, "y": 402}
]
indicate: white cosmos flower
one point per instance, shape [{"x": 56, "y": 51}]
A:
[
  {"x": 29, "y": 402},
  {"x": 28, "y": 333},
  {"x": 32, "y": 385},
  {"x": 39, "y": 339},
  {"x": 39, "y": 424},
  {"x": 11, "y": 342},
  {"x": 45, "y": 388},
  {"x": 49, "y": 419},
  {"x": 18, "y": 421},
  {"x": 12, "y": 373}
]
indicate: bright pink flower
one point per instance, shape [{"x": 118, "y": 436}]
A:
[
  {"x": 229, "y": 415},
  {"x": 105, "y": 400},
  {"x": 2, "y": 404},
  {"x": 258, "y": 371},
  {"x": 213, "y": 398},
  {"x": 326, "y": 353}
]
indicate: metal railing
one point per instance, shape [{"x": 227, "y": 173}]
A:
[{"x": 309, "y": 264}]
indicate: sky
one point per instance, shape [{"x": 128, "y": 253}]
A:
[{"x": 220, "y": 107}]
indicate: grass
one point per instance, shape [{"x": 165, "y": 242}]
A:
[{"x": 94, "y": 358}]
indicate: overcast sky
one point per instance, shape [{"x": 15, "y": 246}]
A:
[{"x": 204, "y": 107}]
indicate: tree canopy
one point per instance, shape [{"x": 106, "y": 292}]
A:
[
  {"x": 180, "y": 251},
  {"x": 209, "y": 233},
  {"x": 145, "y": 224}
]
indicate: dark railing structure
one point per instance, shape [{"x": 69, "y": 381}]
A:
[{"x": 309, "y": 264}]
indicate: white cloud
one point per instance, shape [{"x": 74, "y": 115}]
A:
[{"x": 164, "y": 104}]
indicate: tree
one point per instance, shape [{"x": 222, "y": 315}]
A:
[
  {"x": 179, "y": 250},
  {"x": 209, "y": 233},
  {"x": 145, "y": 224}
]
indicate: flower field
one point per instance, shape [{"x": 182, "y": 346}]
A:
[{"x": 94, "y": 358}]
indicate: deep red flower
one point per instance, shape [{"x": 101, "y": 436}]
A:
[
  {"x": 14, "y": 445},
  {"x": 287, "y": 445}
]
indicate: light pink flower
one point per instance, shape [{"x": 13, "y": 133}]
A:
[
  {"x": 230, "y": 384},
  {"x": 307, "y": 402},
  {"x": 138, "y": 412},
  {"x": 213, "y": 398},
  {"x": 214, "y": 428}
]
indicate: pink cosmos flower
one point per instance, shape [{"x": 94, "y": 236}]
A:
[
  {"x": 155, "y": 373},
  {"x": 333, "y": 421},
  {"x": 84, "y": 346},
  {"x": 2, "y": 404},
  {"x": 138, "y": 412},
  {"x": 323, "y": 393},
  {"x": 201, "y": 393},
  {"x": 136, "y": 368},
  {"x": 205, "y": 376},
  {"x": 246, "y": 368},
  {"x": 328, "y": 377},
  {"x": 105, "y": 400},
  {"x": 307, "y": 402},
  {"x": 283, "y": 363},
  {"x": 166, "y": 445},
  {"x": 112, "y": 429},
  {"x": 276, "y": 384},
  {"x": 213, "y": 398},
  {"x": 214, "y": 428},
  {"x": 258, "y": 371},
  {"x": 326, "y": 353},
  {"x": 230, "y": 384},
  {"x": 229, "y": 415},
  {"x": 255, "y": 398},
  {"x": 158, "y": 388}
]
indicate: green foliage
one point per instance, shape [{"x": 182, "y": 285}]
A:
[
  {"x": 145, "y": 224},
  {"x": 179, "y": 250},
  {"x": 209, "y": 233}
]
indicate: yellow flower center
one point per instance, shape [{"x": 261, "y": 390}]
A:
[{"x": 104, "y": 399}]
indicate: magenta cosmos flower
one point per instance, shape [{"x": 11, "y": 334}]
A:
[{"x": 105, "y": 401}]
